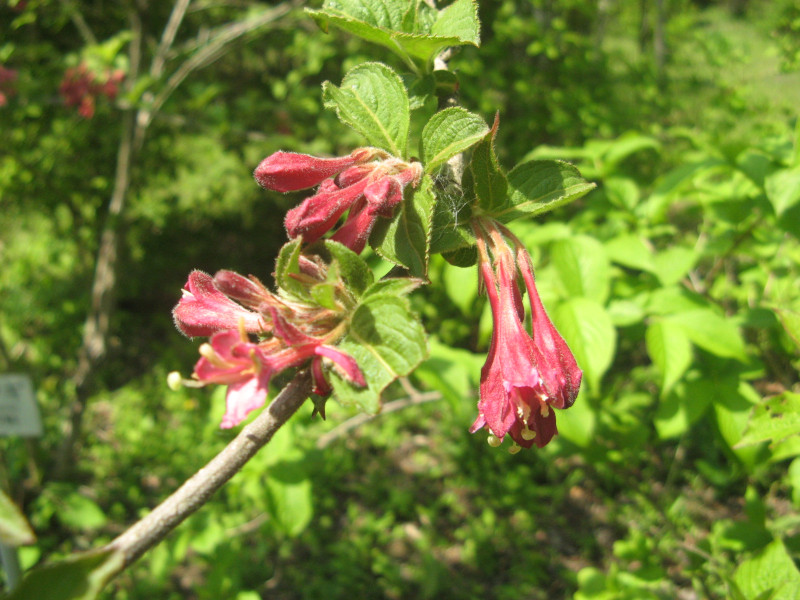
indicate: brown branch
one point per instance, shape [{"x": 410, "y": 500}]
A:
[{"x": 196, "y": 491}]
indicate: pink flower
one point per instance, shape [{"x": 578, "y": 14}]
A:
[
  {"x": 229, "y": 307},
  {"x": 232, "y": 359},
  {"x": 289, "y": 171},
  {"x": 524, "y": 376},
  {"x": 204, "y": 309},
  {"x": 368, "y": 182}
]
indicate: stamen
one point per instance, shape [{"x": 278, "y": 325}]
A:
[
  {"x": 514, "y": 449},
  {"x": 545, "y": 410},
  {"x": 493, "y": 440},
  {"x": 206, "y": 351},
  {"x": 527, "y": 434},
  {"x": 174, "y": 381}
]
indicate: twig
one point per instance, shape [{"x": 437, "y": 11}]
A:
[
  {"x": 168, "y": 37},
  {"x": 213, "y": 50},
  {"x": 193, "y": 494},
  {"x": 357, "y": 421},
  {"x": 80, "y": 23}
]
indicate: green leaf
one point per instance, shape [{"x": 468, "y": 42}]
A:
[
  {"x": 733, "y": 404},
  {"x": 772, "y": 572},
  {"x": 582, "y": 267},
  {"x": 783, "y": 189},
  {"x": 410, "y": 29},
  {"x": 587, "y": 329},
  {"x": 630, "y": 250},
  {"x": 791, "y": 324},
  {"x": 712, "y": 333},
  {"x": 449, "y": 132},
  {"x": 672, "y": 264},
  {"x": 355, "y": 273},
  {"x": 14, "y": 529},
  {"x": 773, "y": 420},
  {"x": 394, "y": 286},
  {"x": 80, "y": 512},
  {"x": 539, "y": 186},
  {"x": 287, "y": 265},
  {"x": 683, "y": 406},
  {"x": 405, "y": 238},
  {"x": 372, "y": 100},
  {"x": 578, "y": 423},
  {"x": 289, "y": 496},
  {"x": 387, "y": 341},
  {"x": 670, "y": 350},
  {"x": 454, "y": 372},
  {"x": 78, "y": 577},
  {"x": 489, "y": 182},
  {"x": 460, "y": 21}
]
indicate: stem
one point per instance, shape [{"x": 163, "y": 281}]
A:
[{"x": 197, "y": 490}]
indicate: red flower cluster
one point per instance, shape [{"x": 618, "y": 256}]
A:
[
  {"x": 80, "y": 87},
  {"x": 526, "y": 374},
  {"x": 7, "y": 79},
  {"x": 229, "y": 308},
  {"x": 368, "y": 182}
]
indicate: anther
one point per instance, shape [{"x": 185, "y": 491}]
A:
[
  {"x": 493, "y": 441},
  {"x": 527, "y": 434},
  {"x": 174, "y": 381},
  {"x": 514, "y": 449}
]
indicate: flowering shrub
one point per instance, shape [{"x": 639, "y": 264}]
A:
[
  {"x": 81, "y": 87},
  {"x": 7, "y": 79},
  {"x": 392, "y": 202}
]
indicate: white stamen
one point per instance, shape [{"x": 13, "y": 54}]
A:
[{"x": 174, "y": 381}]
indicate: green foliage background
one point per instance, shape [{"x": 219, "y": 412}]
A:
[{"x": 675, "y": 283}]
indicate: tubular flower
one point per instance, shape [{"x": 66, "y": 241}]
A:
[
  {"x": 526, "y": 374},
  {"x": 230, "y": 307},
  {"x": 204, "y": 309},
  {"x": 368, "y": 182}
]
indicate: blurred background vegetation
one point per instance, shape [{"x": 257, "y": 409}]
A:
[{"x": 675, "y": 283}]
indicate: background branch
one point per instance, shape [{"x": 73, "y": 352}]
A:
[{"x": 201, "y": 486}]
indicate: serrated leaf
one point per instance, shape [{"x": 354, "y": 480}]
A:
[
  {"x": 406, "y": 28},
  {"x": 774, "y": 420},
  {"x": 405, "y": 238},
  {"x": 490, "y": 185},
  {"x": 449, "y": 132},
  {"x": 454, "y": 372},
  {"x": 670, "y": 350},
  {"x": 712, "y": 333},
  {"x": 14, "y": 528},
  {"x": 355, "y": 273},
  {"x": 78, "y": 577},
  {"x": 394, "y": 286},
  {"x": 582, "y": 267},
  {"x": 387, "y": 341},
  {"x": 772, "y": 571},
  {"x": 460, "y": 21},
  {"x": 539, "y": 186},
  {"x": 587, "y": 329},
  {"x": 783, "y": 189},
  {"x": 372, "y": 100}
]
